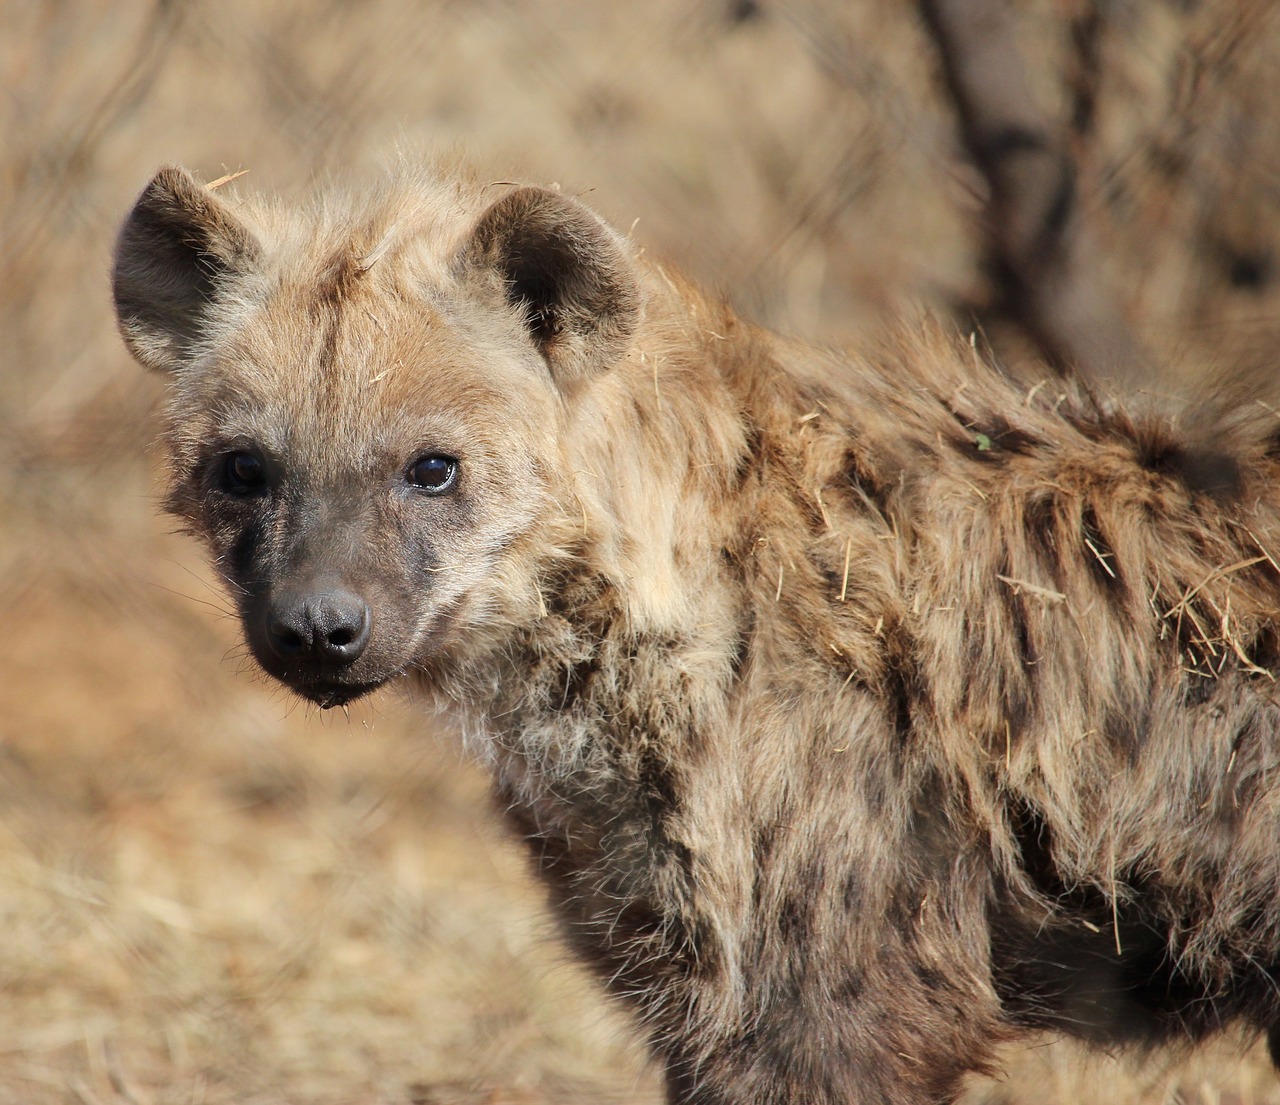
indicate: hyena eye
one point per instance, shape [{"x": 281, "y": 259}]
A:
[
  {"x": 434, "y": 473},
  {"x": 243, "y": 473}
]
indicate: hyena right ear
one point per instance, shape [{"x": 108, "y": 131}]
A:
[
  {"x": 176, "y": 245},
  {"x": 567, "y": 271}
]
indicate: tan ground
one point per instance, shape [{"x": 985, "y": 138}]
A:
[{"x": 209, "y": 893}]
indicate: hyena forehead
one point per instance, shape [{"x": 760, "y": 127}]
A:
[
  {"x": 333, "y": 359},
  {"x": 383, "y": 364}
]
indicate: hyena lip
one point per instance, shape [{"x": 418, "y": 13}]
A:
[{"x": 329, "y": 695}]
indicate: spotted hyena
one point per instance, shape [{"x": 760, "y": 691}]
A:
[{"x": 859, "y": 711}]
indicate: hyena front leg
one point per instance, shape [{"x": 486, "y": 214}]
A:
[{"x": 895, "y": 1030}]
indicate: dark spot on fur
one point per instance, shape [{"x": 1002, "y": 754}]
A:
[
  {"x": 834, "y": 580},
  {"x": 682, "y": 854},
  {"x": 903, "y": 911},
  {"x": 903, "y": 683},
  {"x": 577, "y": 680},
  {"x": 813, "y": 516},
  {"x": 1197, "y": 689},
  {"x": 583, "y": 598},
  {"x": 1016, "y": 608},
  {"x": 1015, "y": 697},
  {"x": 622, "y": 933},
  {"x": 1004, "y": 437},
  {"x": 873, "y": 487},
  {"x": 329, "y": 295},
  {"x": 1062, "y": 971},
  {"x": 657, "y": 786},
  {"x": 749, "y": 460},
  {"x": 681, "y": 1081},
  {"x": 1232, "y": 789},
  {"x": 1035, "y": 846},
  {"x": 762, "y": 843},
  {"x": 1017, "y": 442},
  {"x": 898, "y": 689},
  {"x": 1099, "y": 557},
  {"x": 794, "y": 920},
  {"x": 930, "y": 978},
  {"x": 1202, "y": 469},
  {"x": 1264, "y": 650},
  {"x": 638, "y": 919},
  {"x": 1212, "y": 472},
  {"x": 992, "y": 438},
  {"x": 851, "y": 892},
  {"x": 1017, "y": 717},
  {"x": 741, "y": 651},
  {"x": 1196, "y": 654},
  {"x": 1022, "y": 632},
  {"x": 640, "y": 412},
  {"x": 878, "y": 791},
  {"x": 849, "y": 989},
  {"x": 940, "y": 820},
  {"x": 1040, "y": 522},
  {"x": 703, "y": 950},
  {"x": 1126, "y": 729}
]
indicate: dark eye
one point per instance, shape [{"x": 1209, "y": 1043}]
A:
[
  {"x": 433, "y": 473},
  {"x": 244, "y": 473}
]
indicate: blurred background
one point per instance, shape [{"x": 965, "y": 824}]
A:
[{"x": 212, "y": 893}]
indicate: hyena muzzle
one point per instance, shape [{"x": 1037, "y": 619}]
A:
[{"x": 860, "y": 711}]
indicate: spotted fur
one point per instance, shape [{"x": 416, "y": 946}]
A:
[{"x": 858, "y": 710}]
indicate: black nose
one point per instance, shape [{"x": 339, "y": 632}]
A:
[{"x": 328, "y": 627}]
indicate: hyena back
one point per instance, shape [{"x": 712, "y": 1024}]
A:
[{"x": 859, "y": 712}]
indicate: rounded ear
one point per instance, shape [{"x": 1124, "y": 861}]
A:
[
  {"x": 177, "y": 243},
  {"x": 567, "y": 271}
]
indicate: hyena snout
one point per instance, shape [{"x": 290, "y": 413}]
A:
[{"x": 322, "y": 630}]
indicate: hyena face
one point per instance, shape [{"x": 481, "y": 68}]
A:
[
  {"x": 355, "y": 534},
  {"x": 363, "y": 411}
]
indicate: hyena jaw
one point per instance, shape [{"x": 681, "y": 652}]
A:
[{"x": 858, "y": 712}]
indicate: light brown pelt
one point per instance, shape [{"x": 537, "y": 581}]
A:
[{"x": 858, "y": 710}]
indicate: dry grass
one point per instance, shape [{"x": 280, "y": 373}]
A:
[{"x": 209, "y": 893}]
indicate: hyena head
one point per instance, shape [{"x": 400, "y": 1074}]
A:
[{"x": 364, "y": 403}]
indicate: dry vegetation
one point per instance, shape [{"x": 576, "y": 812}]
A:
[{"x": 209, "y": 893}]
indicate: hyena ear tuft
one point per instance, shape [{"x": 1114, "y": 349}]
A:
[
  {"x": 177, "y": 244},
  {"x": 567, "y": 271}
]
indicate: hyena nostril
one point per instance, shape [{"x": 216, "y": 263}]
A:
[
  {"x": 328, "y": 628},
  {"x": 286, "y": 642}
]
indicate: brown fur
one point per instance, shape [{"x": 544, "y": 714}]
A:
[{"x": 859, "y": 711}]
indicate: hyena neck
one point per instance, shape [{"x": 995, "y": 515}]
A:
[{"x": 634, "y": 618}]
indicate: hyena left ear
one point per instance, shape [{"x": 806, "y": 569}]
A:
[
  {"x": 567, "y": 271},
  {"x": 177, "y": 246}
]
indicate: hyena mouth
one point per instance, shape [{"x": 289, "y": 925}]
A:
[{"x": 329, "y": 695}]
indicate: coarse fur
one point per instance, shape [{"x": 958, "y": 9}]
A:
[{"x": 859, "y": 710}]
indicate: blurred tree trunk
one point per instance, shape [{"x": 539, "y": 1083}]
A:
[{"x": 1043, "y": 260}]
